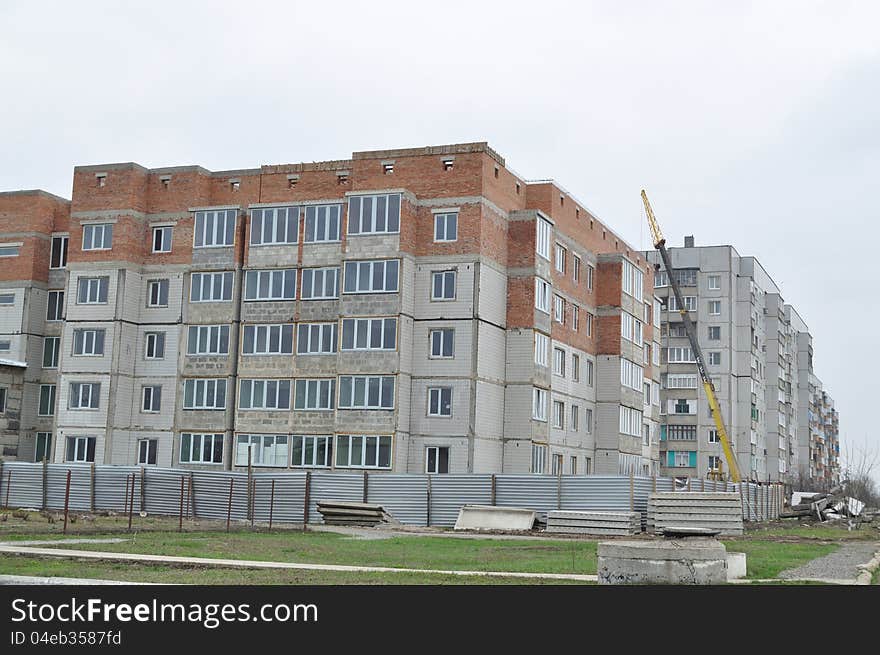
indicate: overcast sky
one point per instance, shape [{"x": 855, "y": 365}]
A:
[{"x": 748, "y": 124}]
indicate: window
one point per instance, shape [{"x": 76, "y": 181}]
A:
[
  {"x": 51, "y": 347},
  {"x": 591, "y": 272},
  {"x": 576, "y": 268},
  {"x": 5, "y": 345},
  {"x": 714, "y": 307},
  {"x": 207, "y": 340},
  {"x": 655, "y": 354},
  {"x": 88, "y": 342},
  {"x": 162, "y": 238},
  {"x": 715, "y": 463},
  {"x": 363, "y": 451},
  {"x": 575, "y": 417},
  {"x": 279, "y": 284},
  {"x": 437, "y": 459},
  {"x": 443, "y": 285},
  {"x": 320, "y": 283},
  {"x": 154, "y": 345},
  {"x": 47, "y": 400},
  {"x": 9, "y": 298},
  {"x": 630, "y": 421},
  {"x": 264, "y": 394},
  {"x": 560, "y": 253},
  {"x": 674, "y": 381},
  {"x": 446, "y": 226},
  {"x": 261, "y": 449},
  {"x": 655, "y": 394},
  {"x": 152, "y": 399},
  {"x": 214, "y": 229},
  {"x": 84, "y": 395},
  {"x": 89, "y": 291},
  {"x": 657, "y": 309},
  {"x": 542, "y": 238},
  {"x": 590, "y": 372},
  {"x": 58, "y": 257},
  {"x": 633, "y": 280},
  {"x": 542, "y": 347},
  {"x": 147, "y": 449},
  {"x": 631, "y": 375},
  {"x": 315, "y": 395},
  {"x": 311, "y": 450},
  {"x": 661, "y": 279},
  {"x": 371, "y": 276},
  {"x": 322, "y": 223},
  {"x": 557, "y": 465},
  {"x": 539, "y": 404},
  {"x": 558, "y": 414},
  {"x": 714, "y": 333},
  {"x": 442, "y": 343},
  {"x": 573, "y": 464},
  {"x": 80, "y": 449},
  {"x": 713, "y": 436},
  {"x": 646, "y": 354},
  {"x": 559, "y": 309},
  {"x": 369, "y": 334},
  {"x": 204, "y": 394},
  {"x": 366, "y": 392},
  {"x": 575, "y": 367},
  {"x": 267, "y": 340},
  {"x": 678, "y": 355},
  {"x": 43, "y": 447},
  {"x": 539, "y": 458},
  {"x": 439, "y": 401},
  {"x": 682, "y": 459},
  {"x": 715, "y": 358},
  {"x": 157, "y": 293},
  {"x": 3, "y": 399},
  {"x": 690, "y": 303},
  {"x": 714, "y": 282},
  {"x": 559, "y": 362},
  {"x": 201, "y": 448},
  {"x": 682, "y": 406},
  {"x": 378, "y": 214},
  {"x": 589, "y": 324},
  {"x": 97, "y": 237},
  {"x": 542, "y": 295},
  {"x": 588, "y": 420},
  {"x": 211, "y": 287},
  {"x": 274, "y": 226},
  {"x": 575, "y": 317},
  {"x": 316, "y": 338}
]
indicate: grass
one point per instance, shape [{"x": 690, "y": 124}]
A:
[
  {"x": 811, "y": 532},
  {"x": 135, "y": 572},
  {"x": 767, "y": 559}
]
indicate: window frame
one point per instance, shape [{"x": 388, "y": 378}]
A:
[
  {"x": 160, "y": 283},
  {"x": 364, "y": 438},
  {"x": 260, "y": 443},
  {"x": 437, "y": 460},
  {"x": 315, "y": 210},
  {"x": 444, "y": 284},
  {"x": 81, "y": 335},
  {"x": 289, "y": 278},
  {"x": 287, "y": 217},
  {"x": 55, "y": 352},
  {"x": 248, "y": 385},
  {"x": 311, "y": 273},
  {"x": 383, "y": 380},
  {"x": 106, "y": 235},
  {"x": 88, "y": 444},
  {"x": 152, "y": 452},
  {"x": 214, "y": 333},
  {"x": 203, "y": 230},
  {"x": 63, "y": 251},
  {"x": 46, "y": 448},
  {"x": 543, "y": 236},
  {"x": 204, "y": 407},
  {"x": 226, "y": 286},
  {"x": 100, "y": 281},
  {"x": 321, "y": 328},
  {"x": 439, "y": 392},
  {"x": 356, "y": 264},
  {"x": 314, "y": 438},
  {"x": 154, "y": 391},
  {"x": 354, "y": 323},
  {"x": 373, "y": 218},
  {"x": 93, "y": 396},
  {"x": 442, "y": 343},
  {"x": 158, "y": 339},
  {"x": 539, "y": 404},
  {"x": 445, "y": 217},
  {"x": 323, "y": 387},
  {"x": 52, "y": 400},
  {"x": 161, "y": 230},
  {"x": 214, "y": 438},
  {"x": 543, "y": 291}
]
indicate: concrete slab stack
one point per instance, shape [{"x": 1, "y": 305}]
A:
[
  {"x": 718, "y": 511},
  {"x": 594, "y": 523}
]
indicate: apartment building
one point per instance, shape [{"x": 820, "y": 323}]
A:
[
  {"x": 758, "y": 352},
  {"x": 415, "y": 310}
]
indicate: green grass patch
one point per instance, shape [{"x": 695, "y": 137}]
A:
[
  {"x": 767, "y": 559},
  {"x": 137, "y": 572},
  {"x": 811, "y": 532}
]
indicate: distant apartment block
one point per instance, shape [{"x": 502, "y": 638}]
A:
[
  {"x": 419, "y": 310},
  {"x": 758, "y": 351}
]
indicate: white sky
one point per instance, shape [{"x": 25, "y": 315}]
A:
[{"x": 751, "y": 124}]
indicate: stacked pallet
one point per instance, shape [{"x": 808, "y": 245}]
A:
[
  {"x": 594, "y": 523},
  {"x": 688, "y": 509},
  {"x": 336, "y": 512}
]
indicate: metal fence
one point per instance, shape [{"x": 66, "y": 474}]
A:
[{"x": 293, "y": 497}]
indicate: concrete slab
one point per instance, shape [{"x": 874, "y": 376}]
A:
[
  {"x": 488, "y": 517},
  {"x": 736, "y": 566},
  {"x": 688, "y": 561}
]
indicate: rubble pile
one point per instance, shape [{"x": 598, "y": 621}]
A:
[{"x": 826, "y": 507}]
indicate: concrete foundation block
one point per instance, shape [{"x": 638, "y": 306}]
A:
[
  {"x": 736, "y": 566},
  {"x": 487, "y": 517},
  {"x": 679, "y": 562}
]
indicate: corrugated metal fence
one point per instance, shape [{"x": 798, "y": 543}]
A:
[{"x": 412, "y": 499}]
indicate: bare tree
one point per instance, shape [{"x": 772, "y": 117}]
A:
[{"x": 857, "y": 474}]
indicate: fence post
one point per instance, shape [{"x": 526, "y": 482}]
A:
[
  {"x": 143, "y": 487},
  {"x": 271, "y": 503},
  {"x": 66, "y": 500},
  {"x": 229, "y": 507},
  {"x": 1, "y": 475},
  {"x": 45, "y": 483},
  {"x": 250, "y": 481},
  {"x": 192, "y": 497},
  {"x": 253, "y": 501},
  {"x": 92, "y": 473},
  {"x": 130, "y": 500},
  {"x": 307, "y": 500},
  {"x": 125, "y": 499},
  {"x": 428, "y": 501},
  {"x": 366, "y": 492},
  {"x": 493, "y": 490}
]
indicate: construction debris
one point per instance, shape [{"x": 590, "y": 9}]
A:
[
  {"x": 358, "y": 514},
  {"x": 823, "y": 507},
  {"x": 594, "y": 523},
  {"x": 686, "y": 509}
]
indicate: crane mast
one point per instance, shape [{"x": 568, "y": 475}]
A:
[{"x": 709, "y": 388}]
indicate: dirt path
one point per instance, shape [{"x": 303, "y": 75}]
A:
[{"x": 842, "y": 564}]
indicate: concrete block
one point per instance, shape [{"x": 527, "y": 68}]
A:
[
  {"x": 736, "y": 566},
  {"x": 487, "y": 517},
  {"x": 686, "y": 561}
]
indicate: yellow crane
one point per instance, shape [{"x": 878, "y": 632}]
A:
[{"x": 708, "y": 387}]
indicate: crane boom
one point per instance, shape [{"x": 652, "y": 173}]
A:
[{"x": 660, "y": 245}]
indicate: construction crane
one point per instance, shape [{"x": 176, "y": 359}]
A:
[{"x": 709, "y": 388}]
